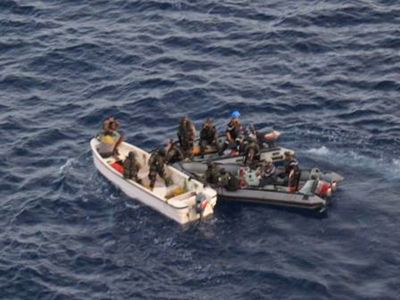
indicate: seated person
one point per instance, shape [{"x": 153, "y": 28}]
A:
[
  {"x": 157, "y": 166},
  {"x": 173, "y": 152},
  {"x": 228, "y": 180},
  {"x": 110, "y": 128},
  {"x": 131, "y": 167},
  {"x": 292, "y": 171},
  {"x": 267, "y": 173},
  {"x": 234, "y": 133},
  {"x": 109, "y": 141},
  {"x": 208, "y": 136},
  {"x": 212, "y": 173}
]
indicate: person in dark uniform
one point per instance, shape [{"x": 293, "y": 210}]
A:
[
  {"x": 292, "y": 171},
  {"x": 208, "y": 136},
  {"x": 212, "y": 174},
  {"x": 132, "y": 167},
  {"x": 157, "y": 166},
  {"x": 233, "y": 132},
  {"x": 228, "y": 180},
  {"x": 173, "y": 152},
  {"x": 186, "y": 135}
]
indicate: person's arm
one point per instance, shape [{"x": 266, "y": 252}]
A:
[
  {"x": 192, "y": 132},
  {"x": 229, "y": 135},
  {"x": 291, "y": 173},
  {"x": 215, "y": 134}
]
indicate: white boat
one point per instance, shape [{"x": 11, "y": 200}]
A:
[{"x": 186, "y": 200}]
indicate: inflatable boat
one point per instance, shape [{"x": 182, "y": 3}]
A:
[
  {"x": 184, "y": 201},
  {"x": 314, "y": 190},
  {"x": 267, "y": 151}
]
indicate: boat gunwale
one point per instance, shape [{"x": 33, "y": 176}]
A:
[{"x": 108, "y": 167}]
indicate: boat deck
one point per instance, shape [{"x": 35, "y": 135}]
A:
[{"x": 176, "y": 191}]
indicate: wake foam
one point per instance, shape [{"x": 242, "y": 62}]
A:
[
  {"x": 385, "y": 166},
  {"x": 67, "y": 165},
  {"x": 319, "y": 151}
]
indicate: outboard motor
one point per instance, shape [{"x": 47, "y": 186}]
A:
[
  {"x": 318, "y": 187},
  {"x": 323, "y": 189},
  {"x": 201, "y": 203}
]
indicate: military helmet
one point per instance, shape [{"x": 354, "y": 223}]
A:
[{"x": 162, "y": 152}]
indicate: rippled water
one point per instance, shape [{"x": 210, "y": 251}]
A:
[{"x": 326, "y": 73}]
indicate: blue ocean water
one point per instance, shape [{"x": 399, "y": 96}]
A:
[{"x": 326, "y": 73}]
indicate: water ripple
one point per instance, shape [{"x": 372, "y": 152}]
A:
[{"x": 325, "y": 74}]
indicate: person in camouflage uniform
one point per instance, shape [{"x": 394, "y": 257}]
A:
[
  {"x": 173, "y": 152},
  {"x": 186, "y": 135},
  {"x": 131, "y": 167},
  {"x": 157, "y": 166},
  {"x": 208, "y": 136},
  {"x": 212, "y": 174},
  {"x": 252, "y": 151}
]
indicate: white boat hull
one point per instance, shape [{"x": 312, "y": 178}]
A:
[{"x": 182, "y": 208}]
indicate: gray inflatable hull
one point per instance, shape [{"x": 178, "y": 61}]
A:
[{"x": 270, "y": 195}]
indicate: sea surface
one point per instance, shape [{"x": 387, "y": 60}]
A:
[{"x": 325, "y": 73}]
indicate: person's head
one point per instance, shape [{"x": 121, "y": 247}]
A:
[
  {"x": 184, "y": 120},
  {"x": 131, "y": 155},
  {"x": 235, "y": 115},
  {"x": 110, "y": 124},
  {"x": 162, "y": 152},
  {"x": 113, "y": 125},
  {"x": 208, "y": 123},
  {"x": 222, "y": 171},
  {"x": 288, "y": 155},
  {"x": 268, "y": 162}
]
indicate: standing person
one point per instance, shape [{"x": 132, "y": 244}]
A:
[
  {"x": 186, "y": 136},
  {"x": 173, "y": 152},
  {"x": 157, "y": 166},
  {"x": 292, "y": 171},
  {"x": 234, "y": 131},
  {"x": 208, "y": 136},
  {"x": 132, "y": 167}
]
